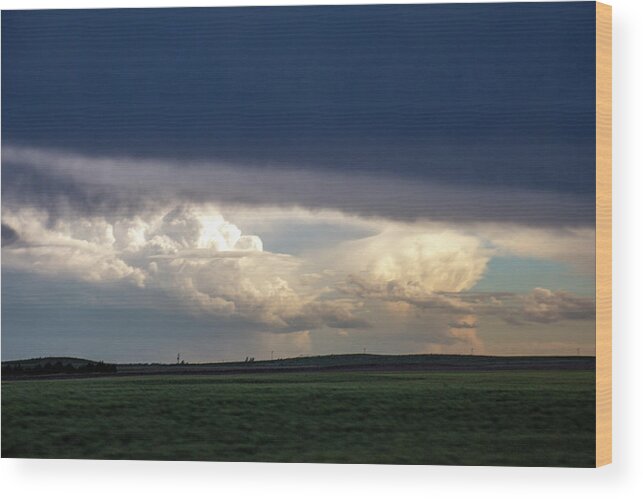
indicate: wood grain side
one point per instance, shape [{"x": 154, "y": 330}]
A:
[{"x": 603, "y": 234}]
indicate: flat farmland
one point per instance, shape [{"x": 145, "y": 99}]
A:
[{"x": 505, "y": 417}]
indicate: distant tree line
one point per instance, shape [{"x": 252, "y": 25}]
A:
[{"x": 56, "y": 368}]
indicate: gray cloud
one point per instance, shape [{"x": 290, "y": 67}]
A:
[
  {"x": 58, "y": 193},
  {"x": 542, "y": 306},
  {"x": 463, "y": 324},
  {"x": 393, "y": 291},
  {"x": 92, "y": 185},
  {"x": 545, "y": 306},
  {"x": 9, "y": 236}
]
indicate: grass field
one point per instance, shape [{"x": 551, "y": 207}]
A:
[{"x": 526, "y": 418}]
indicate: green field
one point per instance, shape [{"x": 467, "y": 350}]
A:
[{"x": 524, "y": 418}]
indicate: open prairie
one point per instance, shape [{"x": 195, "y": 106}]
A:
[{"x": 502, "y": 417}]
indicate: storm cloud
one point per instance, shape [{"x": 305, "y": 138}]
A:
[
  {"x": 9, "y": 235},
  {"x": 55, "y": 180}
]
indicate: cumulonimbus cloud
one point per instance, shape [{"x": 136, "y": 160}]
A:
[
  {"x": 425, "y": 267},
  {"x": 189, "y": 251}
]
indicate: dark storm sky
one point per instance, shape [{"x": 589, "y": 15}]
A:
[{"x": 496, "y": 94}]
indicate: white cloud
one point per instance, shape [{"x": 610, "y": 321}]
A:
[
  {"x": 81, "y": 249},
  {"x": 415, "y": 264},
  {"x": 574, "y": 246},
  {"x": 189, "y": 251}
]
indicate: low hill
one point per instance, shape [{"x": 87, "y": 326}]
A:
[
  {"x": 74, "y": 361},
  {"x": 54, "y": 366},
  {"x": 370, "y": 362},
  {"x": 63, "y": 367}
]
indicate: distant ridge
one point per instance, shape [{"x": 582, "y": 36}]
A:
[
  {"x": 75, "y": 361},
  {"x": 322, "y": 363},
  {"x": 330, "y": 359}
]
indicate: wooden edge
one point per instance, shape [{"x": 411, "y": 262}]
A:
[{"x": 603, "y": 234}]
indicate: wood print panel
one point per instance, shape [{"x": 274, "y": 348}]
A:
[{"x": 603, "y": 234}]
